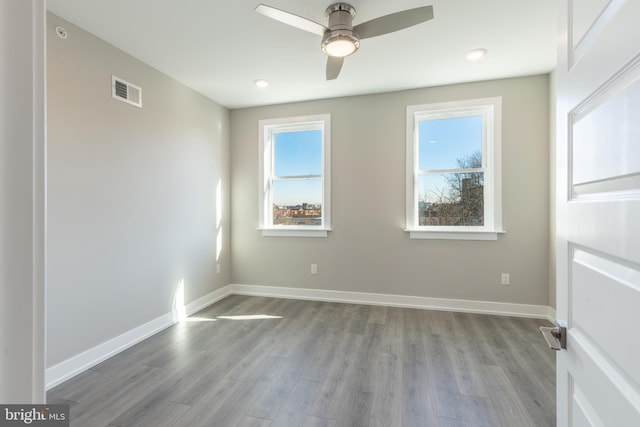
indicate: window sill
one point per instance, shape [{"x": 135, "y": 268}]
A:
[
  {"x": 454, "y": 234},
  {"x": 297, "y": 232}
]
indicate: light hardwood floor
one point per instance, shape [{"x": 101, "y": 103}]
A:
[{"x": 253, "y": 361}]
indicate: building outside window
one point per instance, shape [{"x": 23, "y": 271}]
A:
[
  {"x": 453, "y": 170},
  {"x": 294, "y": 185}
]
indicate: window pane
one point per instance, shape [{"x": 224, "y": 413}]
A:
[
  {"x": 297, "y": 202},
  {"x": 298, "y": 153},
  {"x": 450, "y": 143},
  {"x": 451, "y": 199}
]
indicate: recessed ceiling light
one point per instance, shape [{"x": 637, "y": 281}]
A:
[
  {"x": 261, "y": 83},
  {"x": 476, "y": 54}
]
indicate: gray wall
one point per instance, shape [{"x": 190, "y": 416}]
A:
[
  {"x": 132, "y": 194},
  {"x": 368, "y": 250},
  {"x": 22, "y": 201}
]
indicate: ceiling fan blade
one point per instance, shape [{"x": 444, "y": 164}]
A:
[
  {"x": 394, "y": 22},
  {"x": 291, "y": 19},
  {"x": 334, "y": 65}
]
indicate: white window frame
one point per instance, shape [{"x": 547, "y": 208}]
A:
[
  {"x": 266, "y": 130},
  {"x": 491, "y": 111}
]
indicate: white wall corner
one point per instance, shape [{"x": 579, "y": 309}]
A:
[
  {"x": 81, "y": 362},
  {"x": 205, "y": 301}
]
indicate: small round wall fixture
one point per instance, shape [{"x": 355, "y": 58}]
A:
[{"x": 61, "y": 32}]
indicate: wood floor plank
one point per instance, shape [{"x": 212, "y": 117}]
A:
[
  {"x": 256, "y": 361},
  {"x": 312, "y": 421},
  {"x": 81, "y": 385},
  {"x": 252, "y": 365},
  {"x": 165, "y": 415},
  {"x": 220, "y": 359},
  {"x": 366, "y": 358},
  {"x": 378, "y": 314},
  {"x": 276, "y": 385},
  {"x": 392, "y": 335},
  {"x": 387, "y": 396},
  {"x": 102, "y": 408},
  {"x": 443, "y": 392},
  {"x": 451, "y": 422},
  {"x": 196, "y": 380},
  {"x": 522, "y": 369},
  {"x": 466, "y": 356},
  {"x": 531, "y": 326},
  {"x": 436, "y": 322},
  {"x": 168, "y": 382},
  {"x": 253, "y": 422},
  {"x": 153, "y": 402},
  {"x": 357, "y": 410},
  {"x": 336, "y": 386},
  {"x": 212, "y": 400},
  {"x": 507, "y": 403},
  {"x": 416, "y": 405},
  {"x": 411, "y": 326},
  {"x": 296, "y": 408},
  {"x": 328, "y": 341},
  {"x": 358, "y": 320},
  {"x": 286, "y": 377},
  {"x": 234, "y": 407},
  {"x": 486, "y": 338},
  {"x": 478, "y": 412}
]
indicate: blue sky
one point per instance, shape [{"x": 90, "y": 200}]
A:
[
  {"x": 443, "y": 141},
  {"x": 440, "y": 143},
  {"x": 298, "y": 153}
]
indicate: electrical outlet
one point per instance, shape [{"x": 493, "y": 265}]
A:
[
  {"x": 217, "y": 268},
  {"x": 314, "y": 268},
  {"x": 505, "y": 279}
]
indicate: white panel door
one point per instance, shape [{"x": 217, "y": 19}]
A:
[{"x": 598, "y": 212}]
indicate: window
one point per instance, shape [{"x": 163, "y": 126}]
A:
[
  {"x": 294, "y": 176},
  {"x": 453, "y": 170}
]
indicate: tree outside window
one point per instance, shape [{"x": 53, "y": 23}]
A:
[{"x": 453, "y": 169}]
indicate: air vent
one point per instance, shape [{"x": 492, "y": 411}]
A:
[{"x": 126, "y": 92}]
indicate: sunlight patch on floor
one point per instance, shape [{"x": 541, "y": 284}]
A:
[
  {"x": 250, "y": 317},
  {"x": 200, "y": 319}
]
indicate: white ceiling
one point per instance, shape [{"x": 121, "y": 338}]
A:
[{"x": 219, "y": 48}]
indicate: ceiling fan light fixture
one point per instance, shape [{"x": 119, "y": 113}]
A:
[
  {"x": 340, "y": 38},
  {"x": 340, "y": 45}
]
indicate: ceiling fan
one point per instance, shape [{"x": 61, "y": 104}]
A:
[{"x": 339, "y": 37}]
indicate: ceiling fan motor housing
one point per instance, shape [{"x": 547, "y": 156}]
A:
[{"x": 340, "y": 24}]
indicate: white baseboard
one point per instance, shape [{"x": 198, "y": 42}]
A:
[
  {"x": 81, "y": 362},
  {"x": 205, "y": 301},
  {"x": 71, "y": 367},
  {"x": 482, "y": 307}
]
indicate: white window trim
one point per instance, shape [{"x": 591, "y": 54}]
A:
[
  {"x": 265, "y": 206},
  {"x": 490, "y": 108}
]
